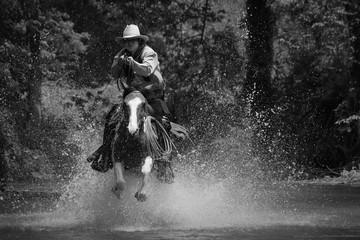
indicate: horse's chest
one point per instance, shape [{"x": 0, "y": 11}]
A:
[{"x": 132, "y": 152}]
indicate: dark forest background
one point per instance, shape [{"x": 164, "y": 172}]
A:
[{"x": 284, "y": 72}]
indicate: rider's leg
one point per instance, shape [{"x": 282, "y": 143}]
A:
[
  {"x": 161, "y": 112},
  {"x": 156, "y": 101}
]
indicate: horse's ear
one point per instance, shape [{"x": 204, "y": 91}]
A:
[{"x": 125, "y": 88}]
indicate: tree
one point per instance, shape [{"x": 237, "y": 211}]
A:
[
  {"x": 257, "y": 86},
  {"x": 353, "y": 7},
  {"x": 31, "y": 11},
  {"x": 3, "y": 164},
  {"x": 313, "y": 56},
  {"x": 36, "y": 44}
]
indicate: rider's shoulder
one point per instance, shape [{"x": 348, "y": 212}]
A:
[{"x": 148, "y": 51}]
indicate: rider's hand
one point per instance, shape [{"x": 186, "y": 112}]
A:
[
  {"x": 118, "y": 60},
  {"x": 126, "y": 60},
  {"x": 129, "y": 61}
]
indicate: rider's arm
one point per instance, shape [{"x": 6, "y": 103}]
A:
[
  {"x": 150, "y": 62},
  {"x": 116, "y": 66}
]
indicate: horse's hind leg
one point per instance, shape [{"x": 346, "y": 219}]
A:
[
  {"x": 120, "y": 182},
  {"x": 146, "y": 170}
]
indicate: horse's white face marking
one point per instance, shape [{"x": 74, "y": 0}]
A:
[
  {"x": 146, "y": 168},
  {"x": 133, "y": 121}
]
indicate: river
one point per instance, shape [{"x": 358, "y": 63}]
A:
[{"x": 183, "y": 210}]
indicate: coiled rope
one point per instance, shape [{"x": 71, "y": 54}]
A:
[{"x": 154, "y": 134}]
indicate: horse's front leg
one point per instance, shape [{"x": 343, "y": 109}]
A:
[
  {"x": 120, "y": 182},
  {"x": 145, "y": 170}
]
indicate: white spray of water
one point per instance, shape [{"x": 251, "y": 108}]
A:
[
  {"x": 208, "y": 193},
  {"x": 210, "y": 196}
]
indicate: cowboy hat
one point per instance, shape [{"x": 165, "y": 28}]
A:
[{"x": 130, "y": 32}]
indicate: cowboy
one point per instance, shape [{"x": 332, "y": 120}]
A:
[{"x": 139, "y": 65}]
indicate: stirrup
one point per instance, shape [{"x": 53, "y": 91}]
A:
[{"x": 166, "y": 123}]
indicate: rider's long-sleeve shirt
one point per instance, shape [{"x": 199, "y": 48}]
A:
[{"x": 146, "y": 72}]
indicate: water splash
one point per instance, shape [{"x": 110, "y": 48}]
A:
[
  {"x": 208, "y": 193},
  {"x": 222, "y": 188}
]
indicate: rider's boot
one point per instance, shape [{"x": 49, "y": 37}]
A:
[
  {"x": 169, "y": 173},
  {"x": 165, "y": 173}
]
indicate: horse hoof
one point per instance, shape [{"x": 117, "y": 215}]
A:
[
  {"x": 169, "y": 180},
  {"x": 120, "y": 186},
  {"x": 115, "y": 192},
  {"x": 93, "y": 157},
  {"x": 141, "y": 197}
]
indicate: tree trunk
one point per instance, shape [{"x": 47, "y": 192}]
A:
[
  {"x": 3, "y": 164},
  {"x": 35, "y": 80},
  {"x": 35, "y": 76},
  {"x": 353, "y": 6},
  {"x": 354, "y": 22},
  {"x": 257, "y": 85},
  {"x": 259, "y": 51}
]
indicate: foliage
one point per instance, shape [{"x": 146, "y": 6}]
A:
[
  {"x": 30, "y": 150},
  {"x": 60, "y": 50},
  {"x": 314, "y": 121},
  {"x": 192, "y": 52},
  {"x": 313, "y": 55}
]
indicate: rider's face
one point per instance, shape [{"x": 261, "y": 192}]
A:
[{"x": 131, "y": 44}]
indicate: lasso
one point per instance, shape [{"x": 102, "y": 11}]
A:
[{"x": 152, "y": 139}]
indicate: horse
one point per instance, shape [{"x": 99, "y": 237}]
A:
[
  {"x": 134, "y": 139},
  {"x": 140, "y": 140}
]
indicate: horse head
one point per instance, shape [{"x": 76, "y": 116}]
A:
[{"x": 136, "y": 109}]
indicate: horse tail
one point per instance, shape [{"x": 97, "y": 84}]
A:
[{"x": 155, "y": 132}]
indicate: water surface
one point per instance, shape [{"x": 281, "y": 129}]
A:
[
  {"x": 281, "y": 211},
  {"x": 223, "y": 197}
]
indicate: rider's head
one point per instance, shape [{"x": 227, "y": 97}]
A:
[
  {"x": 132, "y": 38},
  {"x": 132, "y": 44}
]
